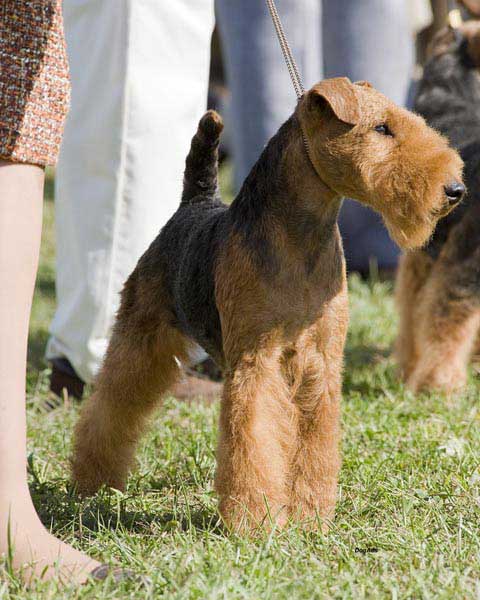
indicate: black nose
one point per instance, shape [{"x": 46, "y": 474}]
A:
[{"x": 454, "y": 192}]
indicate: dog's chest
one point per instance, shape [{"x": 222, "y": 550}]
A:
[{"x": 300, "y": 294}]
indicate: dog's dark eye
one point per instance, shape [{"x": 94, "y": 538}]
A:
[{"x": 383, "y": 129}]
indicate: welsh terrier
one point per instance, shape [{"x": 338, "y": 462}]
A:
[
  {"x": 438, "y": 287},
  {"x": 261, "y": 286}
]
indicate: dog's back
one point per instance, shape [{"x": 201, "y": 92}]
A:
[{"x": 448, "y": 98}]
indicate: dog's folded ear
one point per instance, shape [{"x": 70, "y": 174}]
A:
[{"x": 339, "y": 96}]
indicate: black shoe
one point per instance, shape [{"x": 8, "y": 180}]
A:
[{"x": 63, "y": 377}]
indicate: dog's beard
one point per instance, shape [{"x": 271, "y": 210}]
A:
[{"x": 411, "y": 235}]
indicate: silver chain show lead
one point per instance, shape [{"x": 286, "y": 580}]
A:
[{"x": 287, "y": 53}]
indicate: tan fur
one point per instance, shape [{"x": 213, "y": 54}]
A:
[
  {"x": 283, "y": 329},
  {"x": 439, "y": 317},
  {"x": 413, "y": 271},
  {"x": 402, "y": 178},
  {"x": 278, "y": 454},
  {"x": 141, "y": 364}
]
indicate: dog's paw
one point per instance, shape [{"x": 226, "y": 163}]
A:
[{"x": 447, "y": 379}]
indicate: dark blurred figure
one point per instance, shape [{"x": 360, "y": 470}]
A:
[{"x": 371, "y": 40}]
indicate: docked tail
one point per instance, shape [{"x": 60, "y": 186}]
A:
[{"x": 201, "y": 169}]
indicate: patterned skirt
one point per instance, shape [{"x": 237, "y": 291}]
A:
[{"x": 34, "y": 83}]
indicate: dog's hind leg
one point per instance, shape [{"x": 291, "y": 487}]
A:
[
  {"x": 446, "y": 338},
  {"x": 141, "y": 364},
  {"x": 413, "y": 272},
  {"x": 448, "y": 317}
]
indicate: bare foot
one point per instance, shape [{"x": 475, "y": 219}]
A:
[{"x": 33, "y": 552}]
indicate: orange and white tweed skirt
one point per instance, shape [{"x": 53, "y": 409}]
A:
[{"x": 34, "y": 83}]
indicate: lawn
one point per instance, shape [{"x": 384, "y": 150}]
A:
[{"x": 408, "y": 518}]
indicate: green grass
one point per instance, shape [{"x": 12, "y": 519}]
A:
[{"x": 409, "y": 488}]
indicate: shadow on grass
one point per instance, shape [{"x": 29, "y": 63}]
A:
[
  {"x": 368, "y": 370},
  {"x": 361, "y": 355},
  {"x": 58, "y": 506}
]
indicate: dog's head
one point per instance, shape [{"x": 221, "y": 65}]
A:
[{"x": 365, "y": 147}]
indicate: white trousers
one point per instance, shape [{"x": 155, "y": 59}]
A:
[{"x": 139, "y": 71}]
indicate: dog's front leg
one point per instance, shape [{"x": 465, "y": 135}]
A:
[
  {"x": 317, "y": 461},
  {"x": 257, "y": 435},
  {"x": 315, "y": 466}
]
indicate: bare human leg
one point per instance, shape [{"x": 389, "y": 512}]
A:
[{"x": 35, "y": 551}]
